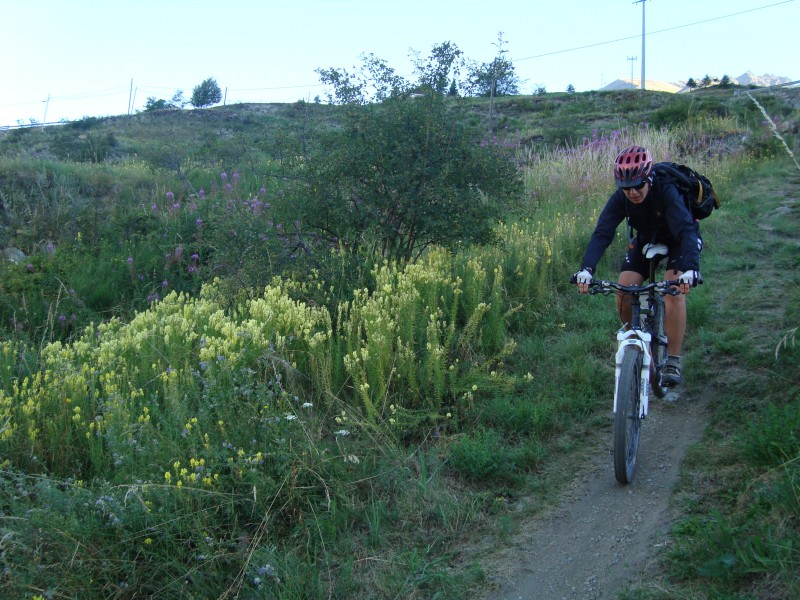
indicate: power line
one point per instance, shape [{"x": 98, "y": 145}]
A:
[
  {"x": 80, "y": 96},
  {"x": 631, "y": 37},
  {"x": 143, "y": 86},
  {"x": 280, "y": 87},
  {"x": 83, "y": 95},
  {"x": 120, "y": 90}
]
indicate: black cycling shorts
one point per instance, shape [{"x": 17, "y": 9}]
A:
[{"x": 635, "y": 260}]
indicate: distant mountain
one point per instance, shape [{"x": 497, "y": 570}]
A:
[
  {"x": 764, "y": 80},
  {"x": 747, "y": 78},
  {"x": 649, "y": 84}
]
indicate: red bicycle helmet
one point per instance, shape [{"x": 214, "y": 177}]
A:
[{"x": 632, "y": 166}]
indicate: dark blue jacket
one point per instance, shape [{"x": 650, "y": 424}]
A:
[{"x": 663, "y": 217}]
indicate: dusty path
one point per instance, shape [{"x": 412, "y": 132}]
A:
[{"x": 603, "y": 535}]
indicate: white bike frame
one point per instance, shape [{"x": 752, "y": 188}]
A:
[{"x": 641, "y": 340}]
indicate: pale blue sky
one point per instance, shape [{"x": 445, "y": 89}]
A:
[{"x": 84, "y": 54}]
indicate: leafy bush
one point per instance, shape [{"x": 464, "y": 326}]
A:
[
  {"x": 175, "y": 102},
  {"x": 496, "y": 78},
  {"x": 206, "y": 94},
  {"x": 403, "y": 176}
]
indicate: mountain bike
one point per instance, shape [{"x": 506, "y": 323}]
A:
[{"x": 640, "y": 359}]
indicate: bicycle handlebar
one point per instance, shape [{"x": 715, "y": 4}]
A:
[{"x": 601, "y": 286}]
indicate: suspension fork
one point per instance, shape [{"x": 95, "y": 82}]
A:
[{"x": 641, "y": 341}]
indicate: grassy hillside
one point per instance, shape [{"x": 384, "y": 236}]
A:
[
  {"x": 224, "y": 133},
  {"x": 187, "y": 409}
]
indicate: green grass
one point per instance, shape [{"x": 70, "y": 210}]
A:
[{"x": 208, "y": 454}]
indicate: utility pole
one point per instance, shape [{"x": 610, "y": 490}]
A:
[
  {"x": 46, "y": 106},
  {"x": 642, "y": 3},
  {"x": 632, "y": 59},
  {"x": 492, "y": 88}
]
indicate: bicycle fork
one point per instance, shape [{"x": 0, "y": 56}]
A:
[{"x": 641, "y": 341}]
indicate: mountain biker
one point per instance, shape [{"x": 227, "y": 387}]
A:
[{"x": 656, "y": 210}]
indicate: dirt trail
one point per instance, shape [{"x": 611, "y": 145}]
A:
[{"x": 603, "y": 535}]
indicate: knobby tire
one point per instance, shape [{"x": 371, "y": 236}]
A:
[{"x": 626, "y": 419}]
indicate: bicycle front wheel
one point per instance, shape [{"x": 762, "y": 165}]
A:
[{"x": 626, "y": 419}]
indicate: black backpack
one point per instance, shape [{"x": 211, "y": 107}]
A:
[{"x": 696, "y": 189}]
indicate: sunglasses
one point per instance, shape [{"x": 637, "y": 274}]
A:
[{"x": 636, "y": 187}]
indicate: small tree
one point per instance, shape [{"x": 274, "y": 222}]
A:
[
  {"x": 374, "y": 82},
  {"x": 442, "y": 65},
  {"x": 206, "y": 94},
  {"x": 496, "y": 78},
  {"x": 725, "y": 82},
  {"x": 570, "y": 89},
  {"x": 401, "y": 174},
  {"x": 153, "y": 103},
  {"x": 453, "y": 91},
  {"x": 691, "y": 84},
  {"x": 177, "y": 100}
]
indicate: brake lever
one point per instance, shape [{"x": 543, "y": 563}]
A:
[{"x": 600, "y": 287}]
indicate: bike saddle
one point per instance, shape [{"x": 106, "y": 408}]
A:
[{"x": 653, "y": 250}]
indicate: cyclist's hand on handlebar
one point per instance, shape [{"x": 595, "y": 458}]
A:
[
  {"x": 688, "y": 280},
  {"x": 583, "y": 278}
]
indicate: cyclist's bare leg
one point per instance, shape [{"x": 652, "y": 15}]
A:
[
  {"x": 675, "y": 318},
  {"x": 624, "y": 300}
]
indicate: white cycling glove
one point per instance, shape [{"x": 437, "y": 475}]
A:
[
  {"x": 583, "y": 277},
  {"x": 689, "y": 277}
]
